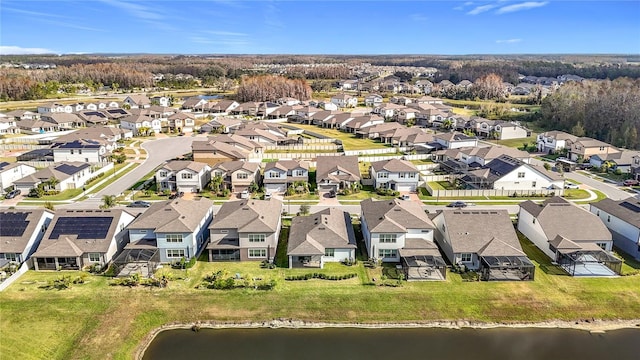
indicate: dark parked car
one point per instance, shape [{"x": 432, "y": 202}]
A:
[
  {"x": 13, "y": 193},
  {"x": 139, "y": 204},
  {"x": 176, "y": 195},
  {"x": 630, "y": 182},
  {"x": 332, "y": 194},
  {"x": 457, "y": 204}
]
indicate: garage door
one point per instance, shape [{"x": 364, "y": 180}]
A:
[
  {"x": 188, "y": 189},
  {"x": 406, "y": 187},
  {"x": 274, "y": 188},
  {"x": 327, "y": 187}
]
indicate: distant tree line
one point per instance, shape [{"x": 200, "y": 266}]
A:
[
  {"x": 605, "y": 110},
  {"x": 271, "y": 88}
]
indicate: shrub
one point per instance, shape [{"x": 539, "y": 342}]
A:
[{"x": 320, "y": 276}]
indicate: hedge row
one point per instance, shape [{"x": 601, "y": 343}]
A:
[{"x": 320, "y": 276}]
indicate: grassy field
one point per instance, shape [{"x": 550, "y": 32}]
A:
[
  {"x": 517, "y": 143},
  {"x": 349, "y": 141},
  {"x": 97, "y": 321}
]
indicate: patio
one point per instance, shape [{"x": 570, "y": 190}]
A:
[
  {"x": 590, "y": 263},
  {"x": 506, "y": 268},
  {"x": 424, "y": 267},
  {"x": 141, "y": 259}
]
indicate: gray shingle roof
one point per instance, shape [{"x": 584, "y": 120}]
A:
[
  {"x": 329, "y": 228},
  {"x": 394, "y": 215},
  {"x": 394, "y": 166},
  {"x": 249, "y": 215},
  {"x": 328, "y": 164},
  {"x": 627, "y": 210},
  {"x": 171, "y": 216},
  {"x": 17, "y": 243}
]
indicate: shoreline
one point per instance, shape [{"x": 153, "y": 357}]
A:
[{"x": 591, "y": 325}]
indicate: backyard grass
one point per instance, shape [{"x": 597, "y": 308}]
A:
[
  {"x": 97, "y": 321},
  {"x": 349, "y": 141},
  {"x": 517, "y": 143},
  {"x": 365, "y": 193}
]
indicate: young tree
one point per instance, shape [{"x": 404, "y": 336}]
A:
[
  {"x": 304, "y": 209},
  {"x": 108, "y": 201}
]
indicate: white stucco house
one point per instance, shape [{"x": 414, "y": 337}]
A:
[{"x": 394, "y": 174}]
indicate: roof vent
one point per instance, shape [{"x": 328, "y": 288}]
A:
[{"x": 321, "y": 228}]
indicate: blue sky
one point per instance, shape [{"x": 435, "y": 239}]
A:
[{"x": 319, "y": 27}]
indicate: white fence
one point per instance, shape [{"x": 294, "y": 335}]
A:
[
  {"x": 402, "y": 157},
  {"x": 37, "y": 164},
  {"x": 389, "y": 150},
  {"x": 331, "y": 147},
  {"x": 491, "y": 192},
  {"x": 24, "y": 146},
  {"x": 8, "y": 281},
  {"x": 315, "y": 140},
  {"x": 293, "y": 155}
]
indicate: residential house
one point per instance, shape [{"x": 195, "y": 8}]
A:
[
  {"x": 8, "y": 126},
  {"x": 223, "y": 148},
  {"x": 413, "y": 138},
  {"x": 349, "y": 84},
  {"x": 376, "y": 131},
  {"x": 455, "y": 140},
  {"x": 326, "y": 236},
  {"x": 69, "y": 175},
  {"x": 181, "y": 122},
  {"x": 400, "y": 231},
  {"x": 498, "y": 129},
  {"x": 138, "y": 123},
  {"x": 37, "y": 126},
  {"x": 622, "y": 218},
  {"x": 20, "y": 233},
  {"x": 279, "y": 175},
  {"x": 161, "y": 100},
  {"x": 82, "y": 150},
  {"x": 283, "y": 112},
  {"x": 552, "y": 141},
  {"x": 373, "y": 100},
  {"x": 223, "y": 125},
  {"x": 583, "y": 148},
  {"x": 622, "y": 161},
  {"x": 361, "y": 122},
  {"x": 569, "y": 235},
  {"x": 395, "y": 174},
  {"x": 507, "y": 173},
  {"x": 183, "y": 176},
  {"x": 245, "y": 230},
  {"x": 63, "y": 120},
  {"x": 425, "y": 86},
  {"x": 237, "y": 175},
  {"x": 10, "y": 172},
  {"x": 337, "y": 172},
  {"x": 93, "y": 117},
  {"x": 178, "y": 228},
  {"x": 483, "y": 241},
  {"x": 260, "y": 136},
  {"x": 76, "y": 239},
  {"x": 137, "y": 101},
  {"x": 344, "y": 100},
  {"x": 475, "y": 157},
  {"x": 22, "y": 115},
  {"x": 223, "y": 106},
  {"x": 326, "y": 105},
  {"x": 388, "y": 110},
  {"x": 635, "y": 167},
  {"x": 194, "y": 103},
  {"x": 288, "y": 101}
]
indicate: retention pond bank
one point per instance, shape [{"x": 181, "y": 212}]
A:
[{"x": 388, "y": 343}]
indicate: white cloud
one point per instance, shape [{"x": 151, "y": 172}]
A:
[
  {"x": 419, "y": 17},
  {"x": 135, "y": 9},
  {"x": 522, "y": 6},
  {"x": 508, "y": 41},
  {"x": 224, "y": 33},
  {"x": 461, "y": 7},
  {"x": 17, "y": 50},
  {"x": 480, "y": 9}
]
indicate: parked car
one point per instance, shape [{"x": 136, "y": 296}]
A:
[
  {"x": 405, "y": 197},
  {"x": 244, "y": 194},
  {"x": 139, "y": 204},
  {"x": 176, "y": 195},
  {"x": 457, "y": 204},
  {"x": 13, "y": 193},
  {"x": 332, "y": 194},
  {"x": 630, "y": 182},
  {"x": 267, "y": 196},
  {"x": 569, "y": 185}
]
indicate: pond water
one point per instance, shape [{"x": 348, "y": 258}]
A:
[
  {"x": 210, "y": 97},
  {"x": 373, "y": 344}
]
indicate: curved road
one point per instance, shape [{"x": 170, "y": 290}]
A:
[{"x": 158, "y": 152}]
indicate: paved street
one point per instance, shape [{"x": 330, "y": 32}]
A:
[{"x": 158, "y": 152}]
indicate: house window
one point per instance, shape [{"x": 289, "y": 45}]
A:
[
  {"x": 218, "y": 173},
  {"x": 465, "y": 257},
  {"x": 256, "y": 238},
  {"x": 329, "y": 252},
  {"x": 602, "y": 246},
  {"x": 187, "y": 175},
  {"x": 224, "y": 231},
  {"x": 274, "y": 174},
  {"x": 11, "y": 257},
  {"x": 142, "y": 231},
  {"x": 387, "y": 238},
  {"x": 298, "y": 173},
  {"x": 383, "y": 175},
  {"x": 163, "y": 173},
  {"x": 412, "y": 175},
  {"x": 174, "y": 238},
  {"x": 387, "y": 253},
  {"x": 175, "y": 253},
  {"x": 608, "y": 218},
  {"x": 241, "y": 176},
  {"x": 257, "y": 253},
  {"x": 403, "y": 175},
  {"x": 94, "y": 257},
  {"x": 533, "y": 184},
  {"x": 534, "y": 220},
  {"x": 71, "y": 151},
  {"x": 520, "y": 175}
]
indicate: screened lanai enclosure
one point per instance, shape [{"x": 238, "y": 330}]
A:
[
  {"x": 594, "y": 262},
  {"x": 424, "y": 267},
  {"x": 506, "y": 268},
  {"x": 143, "y": 261}
]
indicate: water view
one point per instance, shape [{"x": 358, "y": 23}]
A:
[{"x": 372, "y": 344}]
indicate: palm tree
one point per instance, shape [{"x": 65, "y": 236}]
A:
[
  {"x": 108, "y": 201},
  {"x": 447, "y": 124},
  {"x": 52, "y": 182}
]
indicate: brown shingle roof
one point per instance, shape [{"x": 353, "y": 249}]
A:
[
  {"x": 249, "y": 216},
  {"x": 328, "y": 164},
  {"x": 329, "y": 228},
  {"x": 394, "y": 215},
  {"x": 177, "y": 215}
]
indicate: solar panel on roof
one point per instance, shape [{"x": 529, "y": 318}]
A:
[
  {"x": 630, "y": 206},
  {"x": 13, "y": 224},
  {"x": 84, "y": 227},
  {"x": 69, "y": 169}
]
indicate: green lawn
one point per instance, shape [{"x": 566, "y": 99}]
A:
[
  {"x": 365, "y": 193},
  {"x": 349, "y": 141},
  {"x": 517, "y": 143},
  {"x": 97, "y": 321}
]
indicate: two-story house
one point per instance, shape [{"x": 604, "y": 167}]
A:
[
  {"x": 178, "y": 228},
  {"x": 552, "y": 141},
  {"x": 279, "y": 175},
  {"x": 454, "y": 140},
  {"x": 245, "y": 230},
  {"x": 181, "y": 122},
  {"x": 508, "y": 173},
  {"x": 584, "y": 148},
  {"x": 183, "y": 176},
  {"x": 10, "y": 172},
  {"x": 373, "y": 100},
  {"x": 83, "y": 150},
  {"x": 394, "y": 174},
  {"x": 622, "y": 218},
  {"x": 138, "y": 123},
  {"x": 400, "y": 231},
  {"x": 337, "y": 172},
  {"x": 137, "y": 101},
  {"x": 21, "y": 232},
  {"x": 8, "y": 125},
  {"x": 237, "y": 175},
  {"x": 344, "y": 100},
  {"x": 69, "y": 175}
]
